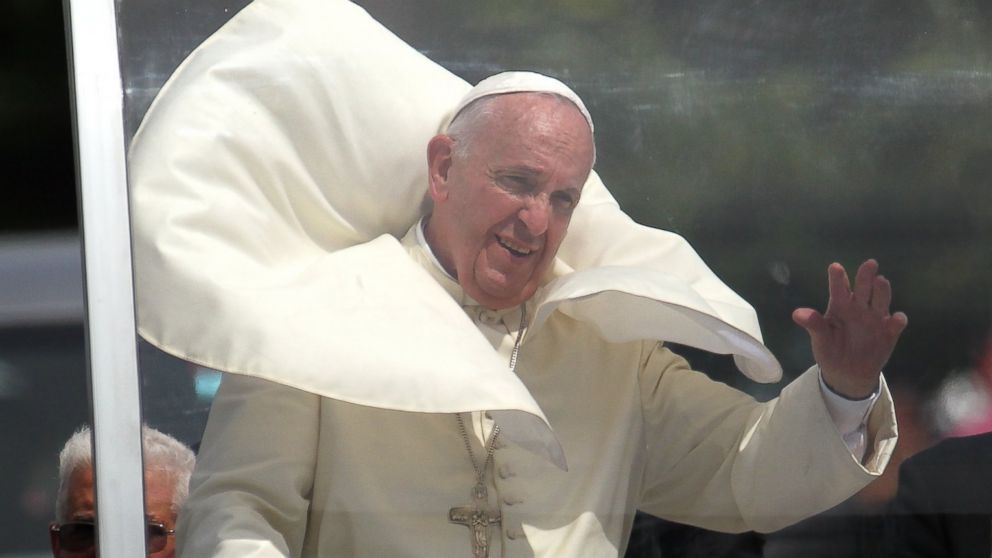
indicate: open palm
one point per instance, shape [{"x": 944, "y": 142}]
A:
[{"x": 854, "y": 338}]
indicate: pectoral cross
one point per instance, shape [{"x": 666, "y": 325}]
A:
[{"x": 477, "y": 516}]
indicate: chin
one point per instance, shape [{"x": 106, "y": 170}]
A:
[
  {"x": 497, "y": 294},
  {"x": 505, "y": 300}
]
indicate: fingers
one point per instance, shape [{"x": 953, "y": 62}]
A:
[
  {"x": 839, "y": 285},
  {"x": 870, "y": 289},
  {"x": 871, "y": 292},
  {"x": 896, "y": 324},
  {"x": 864, "y": 281},
  {"x": 881, "y": 295}
]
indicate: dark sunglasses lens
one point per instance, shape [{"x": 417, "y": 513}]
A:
[
  {"x": 158, "y": 536},
  {"x": 76, "y": 537}
]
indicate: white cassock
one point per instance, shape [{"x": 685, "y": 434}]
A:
[
  {"x": 284, "y": 472},
  {"x": 261, "y": 184}
]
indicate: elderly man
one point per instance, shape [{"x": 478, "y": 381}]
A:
[
  {"x": 286, "y": 472},
  {"x": 168, "y": 465}
]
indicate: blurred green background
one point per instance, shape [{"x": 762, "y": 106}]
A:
[{"x": 778, "y": 136}]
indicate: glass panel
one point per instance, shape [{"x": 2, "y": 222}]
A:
[
  {"x": 776, "y": 138},
  {"x": 155, "y": 37}
]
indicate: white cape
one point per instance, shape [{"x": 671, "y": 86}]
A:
[{"x": 298, "y": 130}]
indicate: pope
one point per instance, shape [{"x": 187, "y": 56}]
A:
[{"x": 289, "y": 472}]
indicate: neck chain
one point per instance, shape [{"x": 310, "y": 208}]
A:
[
  {"x": 479, "y": 491},
  {"x": 479, "y": 516},
  {"x": 520, "y": 334}
]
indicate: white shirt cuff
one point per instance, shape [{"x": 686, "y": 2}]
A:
[{"x": 850, "y": 417}]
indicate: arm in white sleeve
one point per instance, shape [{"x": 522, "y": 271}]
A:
[
  {"x": 718, "y": 459},
  {"x": 249, "y": 494}
]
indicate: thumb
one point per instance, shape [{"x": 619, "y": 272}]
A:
[{"x": 808, "y": 319}]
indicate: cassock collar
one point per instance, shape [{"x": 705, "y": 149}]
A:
[{"x": 421, "y": 251}]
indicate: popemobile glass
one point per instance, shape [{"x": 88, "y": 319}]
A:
[{"x": 776, "y": 139}]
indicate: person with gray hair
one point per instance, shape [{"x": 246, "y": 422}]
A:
[
  {"x": 168, "y": 464},
  {"x": 473, "y": 305}
]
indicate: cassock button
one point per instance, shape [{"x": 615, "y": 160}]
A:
[
  {"x": 511, "y": 500},
  {"x": 515, "y": 534},
  {"x": 506, "y": 472},
  {"x": 488, "y": 317}
]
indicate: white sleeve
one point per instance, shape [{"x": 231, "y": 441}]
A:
[
  {"x": 720, "y": 460},
  {"x": 249, "y": 493},
  {"x": 850, "y": 416}
]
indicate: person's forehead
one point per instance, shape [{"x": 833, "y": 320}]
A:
[
  {"x": 159, "y": 486},
  {"x": 519, "y": 116},
  {"x": 81, "y": 500},
  {"x": 530, "y": 102},
  {"x": 159, "y": 492},
  {"x": 525, "y": 123}
]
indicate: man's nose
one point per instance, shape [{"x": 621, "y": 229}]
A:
[{"x": 535, "y": 215}]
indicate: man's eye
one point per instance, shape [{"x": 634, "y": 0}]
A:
[
  {"x": 563, "y": 201},
  {"x": 513, "y": 183}
]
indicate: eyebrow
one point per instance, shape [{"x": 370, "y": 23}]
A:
[
  {"x": 529, "y": 172},
  {"x": 516, "y": 169},
  {"x": 533, "y": 172}
]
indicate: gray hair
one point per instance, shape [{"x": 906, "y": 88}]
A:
[
  {"x": 162, "y": 454},
  {"x": 469, "y": 123}
]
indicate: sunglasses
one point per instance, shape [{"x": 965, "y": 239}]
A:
[{"x": 77, "y": 536}]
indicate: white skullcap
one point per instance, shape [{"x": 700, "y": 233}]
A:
[{"x": 520, "y": 82}]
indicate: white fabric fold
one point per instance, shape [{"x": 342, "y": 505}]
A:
[
  {"x": 629, "y": 304},
  {"x": 299, "y": 129}
]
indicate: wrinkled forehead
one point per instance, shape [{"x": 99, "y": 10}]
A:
[
  {"x": 79, "y": 496},
  {"x": 530, "y": 131}
]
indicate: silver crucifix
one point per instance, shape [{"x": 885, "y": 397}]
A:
[{"x": 478, "y": 517}]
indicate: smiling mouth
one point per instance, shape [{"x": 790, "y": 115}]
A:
[{"x": 514, "y": 248}]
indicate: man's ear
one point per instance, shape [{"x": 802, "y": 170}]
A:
[{"x": 439, "y": 151}]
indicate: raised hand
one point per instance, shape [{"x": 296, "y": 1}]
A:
[{"x": 854, "y": 338}]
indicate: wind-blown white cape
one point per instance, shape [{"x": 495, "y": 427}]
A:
[{"x": 263, "y": 180}]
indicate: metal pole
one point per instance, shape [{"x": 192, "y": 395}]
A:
[{"x": 112, "y": 343}]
